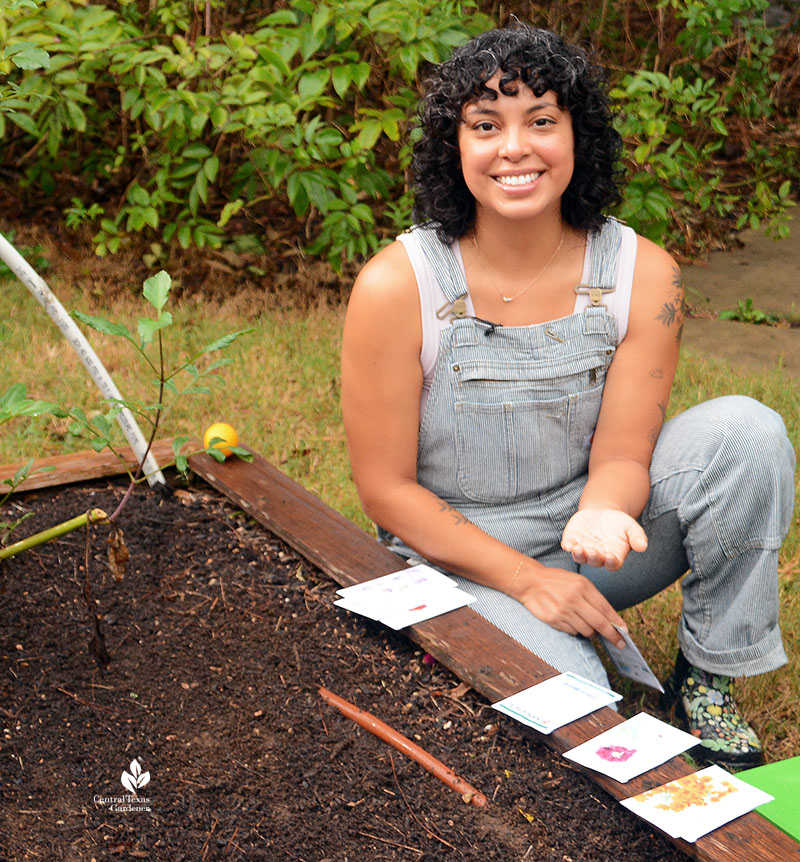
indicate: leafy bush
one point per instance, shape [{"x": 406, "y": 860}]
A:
[
  {"x": 301, "y": 115},
  {"x": 188, "y": 123},
  {"x": 682, "y": 166}
]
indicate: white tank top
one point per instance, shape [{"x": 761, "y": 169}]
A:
[{"x": 432, "y": 298}]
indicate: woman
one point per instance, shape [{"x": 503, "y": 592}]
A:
[{"x": 506, "y": 368}]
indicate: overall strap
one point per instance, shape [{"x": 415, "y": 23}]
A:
[
  {"x": 444, "y": 264},
  {"x": 602, "y": 262}
]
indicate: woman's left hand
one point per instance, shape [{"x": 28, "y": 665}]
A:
[{"x": 602, "y": 537}]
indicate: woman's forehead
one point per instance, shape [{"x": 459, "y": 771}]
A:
[{"x": 512, "y": 89}]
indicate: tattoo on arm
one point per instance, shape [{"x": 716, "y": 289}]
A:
[
  {"x": 672, "y": 312},
  {"x": 652, "y": 434},
  {"x": 657, "y": 373},
  {"x": 458, "y": 518}
]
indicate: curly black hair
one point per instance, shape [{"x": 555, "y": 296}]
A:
[{"x": 542, "y": 61}]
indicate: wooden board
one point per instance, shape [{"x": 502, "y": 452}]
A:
[
  {"x": 83, "y": 466},
  {"x": 491, "y": 662}
]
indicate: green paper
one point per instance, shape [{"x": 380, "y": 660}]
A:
[{"x": 781, "y": 780}]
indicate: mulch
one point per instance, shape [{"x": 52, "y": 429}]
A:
[{"x": 204, "y": 667}]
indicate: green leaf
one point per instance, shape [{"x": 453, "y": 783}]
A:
[
  {"x": 177, "y": 444},
  {"x": 100, "y": 324},
  {"x": 211, "y": 168},
  {"x": 368, "y": 136},
  {"x": 25, "y": 55},
  {"x": 312, "y": 84},
  {"x": 719, "y": 126},
  {"x": 342, "y": 77},
  {"x": 222, "y": 343},
  {"x": 147, "y": 327},
  {"x": 196, "y": 151},
  {"x": 156, "y": 289}
]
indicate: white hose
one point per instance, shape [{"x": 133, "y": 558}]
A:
[{"x": 42, "y": 293}]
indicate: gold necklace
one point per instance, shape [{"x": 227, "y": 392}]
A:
[{"x": 536, "y": 277}]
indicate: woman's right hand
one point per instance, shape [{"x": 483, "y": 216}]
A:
[{"x": 566, "y": 601}]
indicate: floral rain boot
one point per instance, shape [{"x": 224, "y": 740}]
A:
[{"x": 711, "y": 714}]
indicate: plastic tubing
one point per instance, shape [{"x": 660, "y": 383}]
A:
[
  {"x": 404, "y": 744},
  {"x": 47, "y": 299}
]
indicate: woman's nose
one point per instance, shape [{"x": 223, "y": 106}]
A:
[{"x": 514, "y": 143}]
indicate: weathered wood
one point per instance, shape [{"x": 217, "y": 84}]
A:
[
  {"x": 491, "y": 662},
  {"x": 83, "y": 466}
]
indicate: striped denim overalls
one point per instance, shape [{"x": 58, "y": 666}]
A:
[{"x": 505, "y": 439}]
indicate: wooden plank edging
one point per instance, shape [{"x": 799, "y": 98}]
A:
[{"x": 86, "y": 465}]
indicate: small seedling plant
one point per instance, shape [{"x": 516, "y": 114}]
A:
[
  {"x": 189, "y": 376},
  {"x": 186, "y": 377}
]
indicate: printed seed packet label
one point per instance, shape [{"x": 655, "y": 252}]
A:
[
  {"x": 557, "y": 701},
  {"x": 404, "y": 598},
  {"x": 630, "y": 662},
  {"x": 631, "y": 748},
  {"x": 388, "y": 588},
  {"x": 696, "y": 804}
]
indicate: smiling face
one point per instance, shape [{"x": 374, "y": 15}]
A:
[{"x": 517, "y": 153}]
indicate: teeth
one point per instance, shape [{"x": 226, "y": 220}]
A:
[{"x": 518, "y": 180}]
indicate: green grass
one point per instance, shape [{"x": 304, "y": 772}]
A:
[{"x": 282, "y": 395}]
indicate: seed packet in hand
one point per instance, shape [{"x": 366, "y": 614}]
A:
[{"x": 630, "y": 662}]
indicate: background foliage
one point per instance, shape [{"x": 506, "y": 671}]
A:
[{"x": 283, "y": 126}]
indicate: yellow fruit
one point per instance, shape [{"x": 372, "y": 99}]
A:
[{"x": 228, "y": 436}]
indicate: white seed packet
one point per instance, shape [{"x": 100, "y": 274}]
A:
[
  {"x": 557, "y": 701},
  {"x": 635, "y": 746}
]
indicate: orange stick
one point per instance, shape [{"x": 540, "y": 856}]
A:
[{"x": 402, "y": 743}]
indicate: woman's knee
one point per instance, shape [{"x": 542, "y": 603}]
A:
[{"x": 736, "y": 428}]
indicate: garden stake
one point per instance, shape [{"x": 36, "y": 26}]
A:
[
  {"x": 402, "y": 743},
  {"x": 91, "y": 517}
]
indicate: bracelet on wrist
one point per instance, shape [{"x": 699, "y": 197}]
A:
[{"x": 514, "y": 576}]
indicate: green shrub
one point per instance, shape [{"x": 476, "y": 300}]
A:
[
  {"x": 299, "y": 116},
  {"x": 191, "y": 128}
]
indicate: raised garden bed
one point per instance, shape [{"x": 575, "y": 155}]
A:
[{"x": 219, "y": 636}]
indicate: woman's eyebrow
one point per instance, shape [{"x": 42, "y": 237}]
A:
[{"x": 479, "y": 108}]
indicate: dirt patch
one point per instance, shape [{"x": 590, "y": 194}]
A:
[{"x": 218, "y": 638}]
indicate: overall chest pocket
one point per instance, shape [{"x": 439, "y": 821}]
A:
[{"x": 517, "y": 437}]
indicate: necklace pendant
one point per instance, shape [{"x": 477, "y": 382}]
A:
[{"x": 507, "y": 298}]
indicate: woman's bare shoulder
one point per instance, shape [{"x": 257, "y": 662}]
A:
[
  {"x": 652, "y": 260},
  {"x": 384, "y": 302},
  {"x": 386, "y": 277}
]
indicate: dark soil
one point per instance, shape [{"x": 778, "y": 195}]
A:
[{"x": 218, "y": 638}]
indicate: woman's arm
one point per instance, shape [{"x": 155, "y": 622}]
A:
[
  {"x": 634, "y": 406},
  {"x": 381, "y": 388}
]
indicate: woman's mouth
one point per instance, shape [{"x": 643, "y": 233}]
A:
[{"x": 518, "y": 179}]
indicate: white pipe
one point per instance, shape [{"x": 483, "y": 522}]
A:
[{"x": 47, "y": 299}]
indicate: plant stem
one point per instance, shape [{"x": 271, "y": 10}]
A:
[
  {"x": 92, "y": 516},
  {"x": 156, "y": 422}
]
